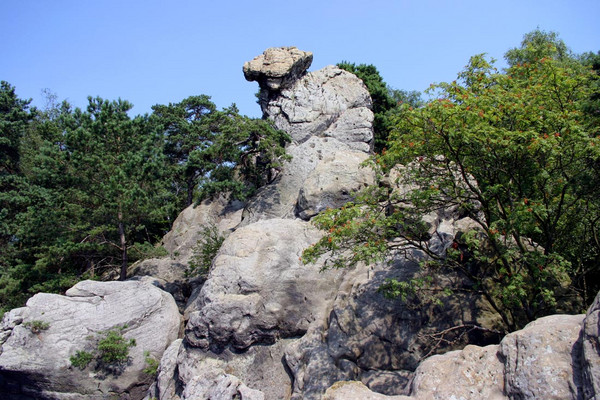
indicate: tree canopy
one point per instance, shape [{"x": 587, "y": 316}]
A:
[
  {"x": 517, "y": 152},
  {"x": 87, "y": 192}
]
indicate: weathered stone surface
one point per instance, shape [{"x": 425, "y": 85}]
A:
[
  {"x": 353, "y": 390},
  {"x": 366, "y": 332},
  {"x": 322, "y": 173},
  {"x": 215, "y": 384},
  {"x": 221, "y": 213},
  {"x": 542, "y": 360},
  {"x": 258, "y": 289},
  {"x": 259, "y": 367},
  {"x": 167, "y": 385},
  {"x": 329, "y": 102},
  {"x": 591, "y": 351},
  {"x": 333, "y": 182},
  {"x": 37, "y": 364},
  {"x": 171, "y": 273},
  {"x": 472, "y": 373},
  {"x": 278, "y": 67}
]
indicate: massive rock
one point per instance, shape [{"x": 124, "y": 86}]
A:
[
  {"x": 327, "y": 103},
  {"x": 328, "y": 115},
  {"x": 259, "y": 290},
  {"x": 35, "y": 364}
]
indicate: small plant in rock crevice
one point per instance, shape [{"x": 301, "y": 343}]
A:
[
  {"x": 36, "y": 326},
  {"x": 111, "y": 352},
  {"x": 205, "y": 251}
]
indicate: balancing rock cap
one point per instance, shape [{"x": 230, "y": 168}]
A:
[{"x": 278, "y": 67}]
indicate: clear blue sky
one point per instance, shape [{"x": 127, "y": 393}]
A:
[{"x": 156, "y": 52}]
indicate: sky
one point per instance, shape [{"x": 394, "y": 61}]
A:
[{"x": 158, "y": 52}]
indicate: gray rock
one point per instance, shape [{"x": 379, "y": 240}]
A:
[
  {"x": 171, "y": 273},
  {"x": 366, "y": 332},
  {"x": 542, "y": 360},
  {"x": 591, "y": 351},
  {"x": 352, "y": 390},
  {"x": 472, "y": 373},
  {"x": 167, "y": 385},
  {"x": 279, "y": 199},
  {"x": 258, "y": 290},
  {"x": 278, "y": 67},
  {"x": 38, "y": 364},
  {"x": 329, "y": 102},
  {"x": 259, "y": 367},
  {"x": 220, "y": 212},
  {"x": 333, "y": 182},
  {"x": 214, "y": 384}
]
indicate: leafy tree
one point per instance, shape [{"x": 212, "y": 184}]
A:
[
  {"x": 513, "y": 152},
  {"x": 537, "y": 45}
]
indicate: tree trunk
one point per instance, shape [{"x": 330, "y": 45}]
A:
[{"x": 123, "y": 274}]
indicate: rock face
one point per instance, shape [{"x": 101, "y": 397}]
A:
[
  {"x": 591, "y": 351},
  {"x": 541, "y": 361},
  {"x": 258, "y": 290},
  {"x": 262, "y": 325},
  {"x": 36, "y": 364}
]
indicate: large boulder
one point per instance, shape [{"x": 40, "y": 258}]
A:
[
  {"x": 36, "y": 363},
  {"x": 259, "y": 290}
]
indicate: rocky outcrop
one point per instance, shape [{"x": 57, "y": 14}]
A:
[
  {"x": 541, "y": 361},
  {"x": 36, "y": 363},
  {"x": 327, "y": 113},
  {"x": 262, "y": 325}
]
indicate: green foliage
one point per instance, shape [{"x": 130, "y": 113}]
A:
[
  {"x": 36, "y": 326},
  {"x": 514, "y": 152},
  {"x": 81, "y": 359},
  {"x": 212, "y": 151},
  {"x": 106, "y": 186},
  {"x": 205, "y": 251},
  {"x": 111, "y": 350},
  {"x": 152, "y": 364}
]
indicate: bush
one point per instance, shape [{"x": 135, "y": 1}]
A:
[
  {"x": 152, "y": 364},
  {"x": 114, "y": 348}
]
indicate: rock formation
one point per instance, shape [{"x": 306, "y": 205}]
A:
[
  {"x": 35, "y": 363},
  {"x": 262, "y": 325}
]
